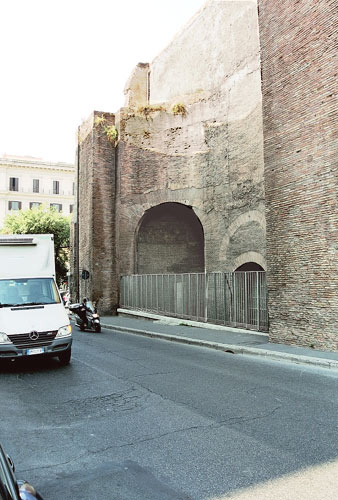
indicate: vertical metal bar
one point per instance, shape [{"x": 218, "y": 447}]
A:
[
  {"x": 215, "y": 295},
  {"x": 206, "y": 297},
  {"x": 246, "y": 313},
  {"x": 197, "y": 298},
  {"x": 175, "y": 294},
  {"x": 235, "y": 299},
  {"x": 163, "y": 301},
  {"x": 258, "y": 302},
  {"x": 122, "y": 291},
  {"x": 183, "y": 294},
  {"x": 225, "y": 298}
]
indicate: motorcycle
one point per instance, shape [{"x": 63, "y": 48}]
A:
[{"x": 86, "y": 315}]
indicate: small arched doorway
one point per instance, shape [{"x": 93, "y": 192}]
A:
[{"x": 170, "y": 239}]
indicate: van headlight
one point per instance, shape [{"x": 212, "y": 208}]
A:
[
  {"x": 4, "y": 339},
  {"x": 64, "y": 331}
]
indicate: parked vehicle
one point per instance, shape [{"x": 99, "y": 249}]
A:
[
  {"x": 12, "y": 488},
  {"x": 86, "y": 315},
  {"x": 33, "y": 319}
]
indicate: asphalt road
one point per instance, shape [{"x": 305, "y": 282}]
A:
[{"x": 138, "y": 418}]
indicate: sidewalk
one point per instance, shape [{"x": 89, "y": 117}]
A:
[{"x": 215, "y": 337}]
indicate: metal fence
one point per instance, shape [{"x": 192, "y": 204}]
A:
[{"x": 236, "y": 299}]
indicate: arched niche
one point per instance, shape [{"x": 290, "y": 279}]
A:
[
  {"x": 169, "y": 239},
  {"x": 249, "y": 266}
]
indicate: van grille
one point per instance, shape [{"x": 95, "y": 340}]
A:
[{"x": 23, "y": 341}]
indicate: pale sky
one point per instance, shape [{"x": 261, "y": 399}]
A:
[{"x": 62, "y": 59}]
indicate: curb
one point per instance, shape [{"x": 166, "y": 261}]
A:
[
  {"x": 231, "y": 348},
  {"x": 169, "y": 320}
]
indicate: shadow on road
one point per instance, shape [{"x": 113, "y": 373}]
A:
[{"x": 29, "y": 365}]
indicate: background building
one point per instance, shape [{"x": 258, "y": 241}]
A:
[{"x": 29, "y": 182}]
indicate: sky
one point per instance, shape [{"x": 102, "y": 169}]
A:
[{"x": 62, "y": 59}]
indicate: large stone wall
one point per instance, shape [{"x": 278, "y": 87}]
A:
[
  {"x": 299, "y": 69},
  {"x": 206, "y": 154},
  {"x": 211, "y": 156},
  {"x": 217, "y": 47}
]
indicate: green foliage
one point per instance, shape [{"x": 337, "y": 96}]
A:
[
  {"x": 179, "y": 109},
  {"x": 110, "y": 130},
  {"x": 44, "y": 221},
  {"x": 111, "y": 133}
]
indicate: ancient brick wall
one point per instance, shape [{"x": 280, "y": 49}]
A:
[
  {"x": 170, "y": 240},
  {"x": 205, "y": 154},
  {"x": 209, "y": 157},
  {"x": 96, "y": 216},
  {"x": 299, "y": 68}
]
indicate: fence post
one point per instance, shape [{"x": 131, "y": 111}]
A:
[
  {"x": 198, "y": 297},
  {"x": 206, "y": 294},
  {"x": 246, "y": 299},
  {"x": 215, "y": 295},
  {"x": 224, "y": 298},
  {"x": 258, "y": 301}
]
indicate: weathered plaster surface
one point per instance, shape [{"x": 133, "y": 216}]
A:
[{"x": 210, "y": 158}]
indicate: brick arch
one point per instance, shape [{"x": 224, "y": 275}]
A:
[
  {"x": 248, "y": 217},
  {"x": 169, "y": 239},
  {"x": 249, "y": 257}
]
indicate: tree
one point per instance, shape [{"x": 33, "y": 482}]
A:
[{"x": 44, "y": 221}]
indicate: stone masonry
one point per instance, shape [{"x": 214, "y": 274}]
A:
[
  {"x": 94, "y": 231},
  {"x": 209, "y": 156},
  {"x": 190, "y": 147},
  {"x": 299, "y": 74},
  {"x": 191, "y": 144}
]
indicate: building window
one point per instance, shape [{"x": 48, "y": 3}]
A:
[
  {"x": 57, "y": 206},
  {"x": 73, "y": 190},
  {"x": 71, "y": 208},
  {"x": 14, "y": 205},
  {"x": 34, "y": 204},
  {"x": 13, "y": 184},
  {"x": 36, "y": 186},
  {"x": 56, "y": 187}
]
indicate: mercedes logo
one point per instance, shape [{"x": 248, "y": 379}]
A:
[{"x": 34, "y": 335}]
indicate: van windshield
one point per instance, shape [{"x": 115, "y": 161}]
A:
[{"x": 28, "y": 292}]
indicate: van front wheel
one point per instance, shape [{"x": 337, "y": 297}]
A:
[{"x": 64, "y": 357}]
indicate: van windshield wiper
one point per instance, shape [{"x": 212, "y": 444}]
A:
[{"x": 33, "y": 303}]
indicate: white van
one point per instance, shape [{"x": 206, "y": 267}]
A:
[{"x": 33, "y": 319}]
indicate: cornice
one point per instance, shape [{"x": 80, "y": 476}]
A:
[{"x": 42, "y": 165}]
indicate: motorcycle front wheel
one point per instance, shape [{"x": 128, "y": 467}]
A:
[{"x": 97, "y": 328}]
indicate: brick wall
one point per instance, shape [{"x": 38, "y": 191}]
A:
[
  {"x": 96, "y": 217},
  {"x": 170, "y": 240},
  {"x": 299, "y": 69},
  {"x": 209, "y": 158}
]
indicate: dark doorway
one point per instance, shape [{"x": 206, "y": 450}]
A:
[
  {"x": 170, "y": 239},
  {"x": 249, "y": 266}
]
